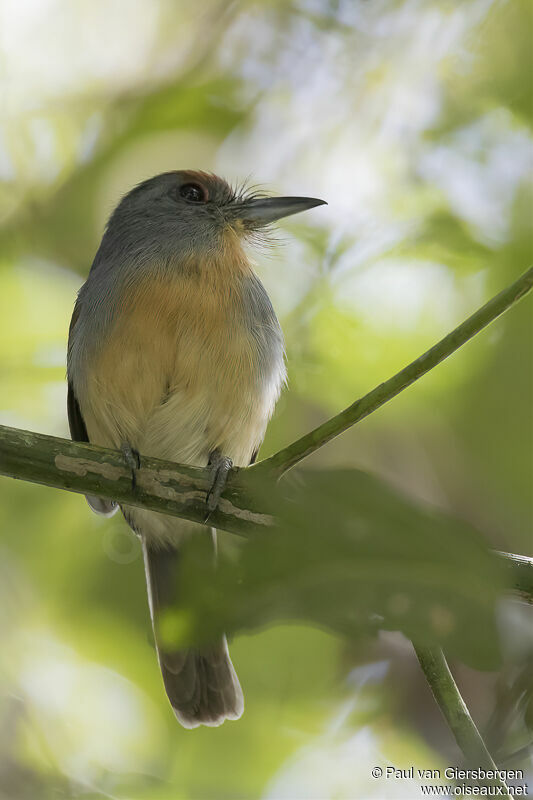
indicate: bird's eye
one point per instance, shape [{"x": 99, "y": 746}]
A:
[{"x": 193, "y": 192}]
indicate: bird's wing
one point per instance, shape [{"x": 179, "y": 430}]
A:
[
  {"x": 78, "y": 432},
  {"x": 76, "y": 423},
  {"x": 78, "y": 429}
]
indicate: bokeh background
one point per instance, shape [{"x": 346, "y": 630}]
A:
[{"x": 414, "y": 121}]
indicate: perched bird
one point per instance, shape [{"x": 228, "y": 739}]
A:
[{"x": 175, "y": 352}]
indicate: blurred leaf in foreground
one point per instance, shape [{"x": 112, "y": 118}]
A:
[{"x": 353, "y": 556}]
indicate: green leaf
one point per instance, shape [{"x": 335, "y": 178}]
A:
[{"x": 353, "y": 556}]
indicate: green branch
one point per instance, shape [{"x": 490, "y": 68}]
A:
[
  {"x": 283, "y": 460},
  {"x": 163, "y": 486},
  {"x": 455, "y": 711}
]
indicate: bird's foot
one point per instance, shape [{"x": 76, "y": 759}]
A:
[
  {"x": 219, "y": 467},
  {"x": 132, "y": 458}
]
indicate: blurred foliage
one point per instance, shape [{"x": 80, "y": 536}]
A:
[
  {"x": 413, "y": 120},
  {"x": 352, "y": 556}
]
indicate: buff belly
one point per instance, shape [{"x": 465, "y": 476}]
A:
[{"x": 179, "y": 376}]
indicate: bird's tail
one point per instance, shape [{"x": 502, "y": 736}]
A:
[{"x": 201, "y": 684}]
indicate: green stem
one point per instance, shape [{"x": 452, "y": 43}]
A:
[
  {"x": 455, "y": 711},
  {"x": 283, "y": 460}
]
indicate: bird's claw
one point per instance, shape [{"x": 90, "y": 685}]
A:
[{"x": 219, "y": 466}]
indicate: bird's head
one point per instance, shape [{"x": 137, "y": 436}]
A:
[{"x": 187, "y": 213}]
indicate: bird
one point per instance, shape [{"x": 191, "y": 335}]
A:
[{"x": 175, "y": 352}]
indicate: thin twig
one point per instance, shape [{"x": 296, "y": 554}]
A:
[
  {"x": 284, "y": 459},
  {"x": 455, "y": 711}
]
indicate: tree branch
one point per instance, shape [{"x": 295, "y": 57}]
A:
[
  {"x": 455, "y": 711},
  {"x": 283, "y": 460},
  {"x": 162, "y": 486}
]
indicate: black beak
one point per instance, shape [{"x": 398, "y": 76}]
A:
[{"x": 264, "y": 210}]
